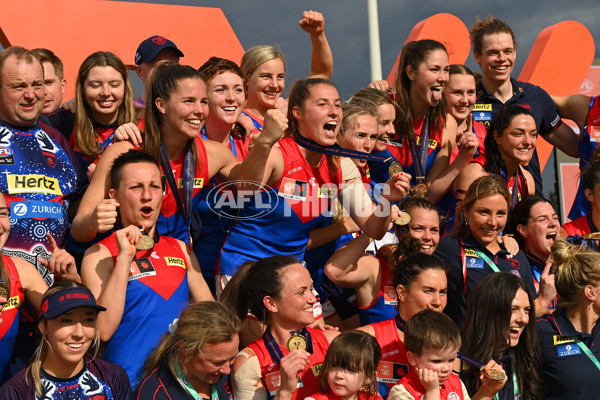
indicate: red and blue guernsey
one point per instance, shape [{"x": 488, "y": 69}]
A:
[
  {"x": 257, "y": 121},
  {"x": 270, "y": 369},
  {"x": 588, "y": 142},
  {"x": 10, "y": 318},
  {"x": 401, "y": 153},
  {"x": 216, "y": 223},
  {"x": 385, "y": 305},
  {"x": 279, "y": 220},
  {"x": 452, "y": 389},
  {"x": 170, "y": 221},
  {"x": 156, "y": 294},
  {"x": 38, "y": 175},
  {"x": 581, "y": 226},
  {"x": 394, "y": 363}
]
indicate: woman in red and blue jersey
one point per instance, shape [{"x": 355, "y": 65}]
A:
[{"x": 303, "y": 183}]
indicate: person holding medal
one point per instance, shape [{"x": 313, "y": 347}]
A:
[
  {"x": 285, "y": 362},
  {"x": 500, "y": 326},
  {"x": 588, "y": 223},
  {"x": 570, "y": 337},
  {"x": 173, "y": 121},
  {"x": 508, "y": 147},
  {"x": 194, "y": 358},
  {"x": 473, "y": 251},
  {"x": 428, "y": 134},
  {"x": 304, "y": 181},
  {"x": 372, "y": 276},
  {"x": 143, "y": 278}
]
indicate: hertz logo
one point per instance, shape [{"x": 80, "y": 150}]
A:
[
  {"x": 174, "y": 261},
  {"x": 33, "y": 184},
  {"x": 12, "y": 302},
  {"x": 198, "y": 183}
]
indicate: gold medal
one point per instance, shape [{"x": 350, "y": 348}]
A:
[
  {"x": 419, "y": 190},
  {"x": 297, "y": 342},
  {"x": 394, "y": 169},
  {"x": 403, "y": 219},
  {"x": 145, "y": 242},
  {"x": 495, "y": 375},
  {"x": 4, "y": 292},
  {"x": 593, "y": 235}
]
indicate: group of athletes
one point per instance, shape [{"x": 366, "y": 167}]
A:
[{"x": 212, "y": 240}]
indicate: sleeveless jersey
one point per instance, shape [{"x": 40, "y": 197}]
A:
[
  {"x": 37, "y": 176},
  {"x": 170, "y": 222},
  {"x": 214, "y": 214},
  {"x": 522, "y": 185},
  {"x": 385, "y": 304},
  {"x": 258, "y": 122},
  {"x": 10, "y": 318},
  {"x": 104, "y": 138},
  {"x": 401, "y": 153},
  {"x": 302, "y": 200},
  {"x": 156, "y": 294},
  {"x": 588, "y": 142},
  {"x": 308, "y": 379},
  {"x": 393, "y": 364},
  {"x": 452, "y": 389},
  {"x": 580, "y": 226},
  {"x": 481, "y": 132}
]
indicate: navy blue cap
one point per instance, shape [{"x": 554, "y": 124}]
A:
[
  {"x": 149, "y": 49},
  {"x": 67, "y": 299}
]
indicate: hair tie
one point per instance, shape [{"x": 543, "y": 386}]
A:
[{"x": 173, "y": 326}]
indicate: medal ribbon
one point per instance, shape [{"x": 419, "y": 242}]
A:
[
  {"x": 419, "y": 154},
  {"x": 489, "y": 262},
  {"x": 273, "y": 347},
  {"x": 213, "y": 389},
  {"x": 185, "y": 208},
  {"x": 515, "y": 191},
  {"x": 587, "y": 351},
  {"x": 337, "y": 150},
  {"x": 399, "y": 323}
]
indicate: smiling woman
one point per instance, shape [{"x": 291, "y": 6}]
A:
[
  {"x": 473, "y": 252},
  {"x": 68, "y": 319},
  {"x": 194, "y": 357},
  {"x": 103, "y": 101},
  {"x": 500, "y": 326}
]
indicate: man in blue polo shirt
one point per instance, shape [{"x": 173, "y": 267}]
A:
[{"x": 494, "y": 50}]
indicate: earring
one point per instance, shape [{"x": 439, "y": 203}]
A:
[{"x": 466, "y": 222}]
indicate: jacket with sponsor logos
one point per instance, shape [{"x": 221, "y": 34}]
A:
[{"x": 37, "y": 175}]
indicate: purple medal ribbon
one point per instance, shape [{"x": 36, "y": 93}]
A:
[
  {"x": 419, "y": 154},
  {"x": 184, "y": 208},
  {"x": 337, "y": 150}
]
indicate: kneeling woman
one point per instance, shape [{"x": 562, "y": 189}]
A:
[
  {"x": 194, "y": 358},
  {"x": 61, "y": 367},
  {"x": 285, "y": 362},
  {"x": 144, "y": 280}
]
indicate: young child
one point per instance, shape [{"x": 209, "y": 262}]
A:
[
  {"x": 432, "y": 341},
  {"x": 349, "y": 369}
]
